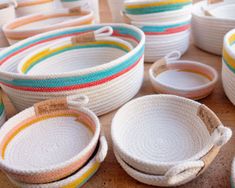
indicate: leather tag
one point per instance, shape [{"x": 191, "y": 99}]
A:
[
  {"x": 214, "y": 1},
  {"x": 83, "y": 38},
  {"x": 49, "y": 106}
]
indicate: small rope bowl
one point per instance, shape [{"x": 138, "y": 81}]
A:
[
  {"x": 171, "y": 138},
  {"x": 228, "y": 67},
  {"x": 208, "y": 31},
  {"x": 108, "y": 86},
  {"x": 184, "y": 78},
  {"x": 49, "y": 141},
  {"x": 156, "y": 10},
  {"x": 26, "y": 7},
  {"x": 81, "y": 176},
  {"x": 70, "y": 55},
  {"x": 33, "y": 24}
]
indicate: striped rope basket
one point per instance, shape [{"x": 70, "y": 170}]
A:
[
  {"x": 28, "y": 26},
  {"x": 91, "y": 4},
  {"x": 35, "y": 144},
  {"x": 80, "y": 177},
  {"x": 178, "y": 148},
  {"x": 208, "y": 31},
  {"x": 228, "y": 67},
  {"x": 26, "y": 7},
  {"x": 162, "y": 35},
  {"x": 157, "y": 10},
  {"x": 69, "y": 55},
  {"x": 7, "y": 14},
  {"x": 108, "y": 86}
]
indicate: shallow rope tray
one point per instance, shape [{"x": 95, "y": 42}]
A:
[
  {"x": 80, "y": 177},
  {"x": 108, "y": 86},
  {"x": 69, "y": 55},
  {"x": 208, "y": 31},
  {"x": 7, "y": 14},
  {"x": 26, "y": 7},
  {"x": 184, "y": 78},
  {"x": 35, "y": 144},
  {"x": 28, "y": 26},
  {"x": 228, "y": 67},
  {"x": 172, "y": 138}
]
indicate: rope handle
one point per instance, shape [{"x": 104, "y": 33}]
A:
[
  {"x": 77, "y": 100},
  {"x": 14, "y": 2},
  {"x": 103, "y": 150},
  {"x": 93, "y": 35}
]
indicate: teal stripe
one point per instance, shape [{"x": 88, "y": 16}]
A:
[
  {"x": 156, "y": 9},
  {"x": 232, "y": 183},
  {"x": 92, "y": 174},
  {"x": 74, "y": 48},
  {"x": 228, "y": 65},
  {"x": 1, "y": 108},
  {"x": 163, "y": 28},
  {"x": 76, "y": 80}
]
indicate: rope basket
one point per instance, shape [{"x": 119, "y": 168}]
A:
[
  {"x": 70, "y": 56},
  {"x": 179, "y": 147},
  {"x": 91, "y": 4},
  {"x": 108, "y": 86},
  {"x": 184, "y": 78},
  {"x": 228, "y": 68},
  {"x": 26, "y": 7},
  {"x": 28, "y": 26},
  {"x": 162, "y": 35},
  {"x": 81, "y": 176},
  {"x": 36, "y": 144},
  {"x": 208, "y": 31},
  {"x": 7, "y": 14}
]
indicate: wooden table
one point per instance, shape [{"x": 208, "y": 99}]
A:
[{"x": 111, "y": 175}]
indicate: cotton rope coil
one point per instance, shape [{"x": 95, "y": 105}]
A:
[
  {"x": 185, "y": 78},
  {"x": 26, "y": 7},
  {"x": 33, "y": 24},
  {"x": 80, "y": 177},
  {"x": 166, "y": 140},
  {"x": 108, "y": 86},
  {"x": 36, "y": 143},
  {"x": 91, "y": 4},
  {"x": 208, "y": 31},
  {"x": 69, "y": 55},
  {"x": 7, "y": 14},
  {"x": 228, "y": 67}
]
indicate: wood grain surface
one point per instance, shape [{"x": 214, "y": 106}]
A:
[{"x": 111, "y": 175}]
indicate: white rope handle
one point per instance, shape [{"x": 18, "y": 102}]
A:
[
  {"x": 103, "y": 150},
  {"x": 173, "y": 56},
  {"x": 77, "y": 100},
  {"x": 14, "y": 2},
  {"x": 103, "y": 32},
  {"x": 172, "y": 175},
  {"x": 223, "y": 135}
]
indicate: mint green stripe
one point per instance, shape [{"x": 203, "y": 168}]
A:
[
  {"x": 1, "y": 108},
  {"x": 228, "y": 65},
  {"x": 92, "y": 174},
  {"x": 156, "y": 9},
  {"x": 74, "y": 48}
]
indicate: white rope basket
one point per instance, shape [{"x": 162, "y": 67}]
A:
[
  {"x": 185, "y": 78},
  {"x": 26, "y": 7},
  {"x": 81, "y": 176},
  {"x": 91, "y": 4},
  {"x": 7, "y": 14},
  {"x": 28, "y": 26},
  {"x": 36, "y": 143},
  {"x": 166, "y": 140},
  {"x": 69, "y": 55},
  {"x": 228, "y": 67},
  {"x": 108, "y": 85},
  {"x": 208, "y": 31}
]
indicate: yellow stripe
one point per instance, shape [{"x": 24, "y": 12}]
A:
[
  {"x": 169, "y": 2},
  {"x": 228, "y": 59},
  {"x": 231, "y": 39},
  {"x": 47, "y": 51},
  {"x": 84, "y": 177},
  {"x": 33, "y": 121}
]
